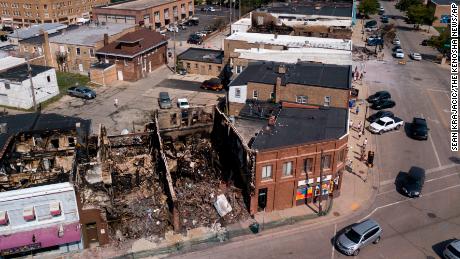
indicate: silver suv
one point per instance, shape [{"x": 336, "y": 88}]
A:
[
  {"x": 358, "y": 236},
  {"x": 452, "y": 250}
]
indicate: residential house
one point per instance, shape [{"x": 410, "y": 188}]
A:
[
  {"x": 202, "y": 61},
  {"x": 135, "y": 54},
  {"x": 303, "y": 82},
  {"x": 16, "y": 88},
  {"x": 152, "y": 14}
]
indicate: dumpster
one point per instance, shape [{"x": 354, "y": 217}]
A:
[{"x": 254, "y": 227}]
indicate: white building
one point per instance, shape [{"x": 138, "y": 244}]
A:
[
  {"x": 242, "y": 25},
  {"x": 39, "y": 217},
  {"x": 15, "y": 86}
]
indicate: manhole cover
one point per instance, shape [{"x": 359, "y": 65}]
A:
[
  {"x": 431, "y": 215},
  {"x": 417, "y": 78},
  {"x": 335, "y": 213}
]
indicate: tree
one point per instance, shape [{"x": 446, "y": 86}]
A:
[
  {"x": 421, "y": 15},
  {"x": 367, "y": 7},
  {"x": 61, "y": 59},
  {"x": 404, "y": 5}
]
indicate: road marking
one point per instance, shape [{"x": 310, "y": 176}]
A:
[
  {"x": 429, "y": 171},
  {"x": 333, "y": 243},
  {"x": 437, "y": 90},
  {"x": 435, "y": 151},
  {"x": 431, "y": 180},
  {"x": 408, "y": 199}
]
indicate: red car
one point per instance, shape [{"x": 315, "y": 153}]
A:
[{"x": 212, "y": 84}]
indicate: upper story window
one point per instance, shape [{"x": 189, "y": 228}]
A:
[
  {"x": 237, "y": 92},
  {"x": 327, "y": 100},
  {"x": 341, "y": 156},
  {"x": 255, "y": 94},
  {"x": 301, "y": 99},
  {"x": 78, "y": 51},
  {"x": 308, "y": 165},
  {"x": 287, "y": 168},
  {"x": 327, "y": 162},
  {"x": 266, "y": 172}
]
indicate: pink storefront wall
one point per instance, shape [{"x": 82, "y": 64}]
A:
[{"x": 45, "y": 236}]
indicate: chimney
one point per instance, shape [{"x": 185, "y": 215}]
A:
[
  {"x": 278, "y": 90},
  {"x": 46, "y": 48},
  {"x": 106, "y": 39},
  {"x": 282, "y": 69}
]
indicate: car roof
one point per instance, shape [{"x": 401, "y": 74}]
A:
[
  {"x": 182, "y": 100},
  {"x": 416, "y": 171},
  {"x": 164, "y": 94},
  {"x": 456, "y": 244},
  {"x": 419, "y": 120},
  {"x": 364, "y": 226},
  {"x": 386, "y": 119}
]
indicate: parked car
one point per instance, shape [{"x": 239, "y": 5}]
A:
[
  {"x": 385, "y": 19},
  {"x": 194, "y": 39},
  {"x": 413, "y": 183},
  {"x": 375, "y": 42},
  {"x": 194, "y": 21},
  {"x": 378, "y": 96},
  {"x": 395, "y": 48},
  {"x": 386, "y": 124},
  {"x": 183, "y": 103},
  {"x": 452, "y": 250},
  {"x": 173, "y": 28},
  {"x": 380, "y": 114},
  {"x": 212, "y": 84},
  {"x": 359, "y": 236},
  {"x": 383, "y": 104},
  {"x": 396, "y": 42},
  {"x": 419, "y": 129},
  {"x": 415, "y": 56},
  {"x": 424, "y": 42},
  {"x": 201, "y": 33},
  {"x": 182, "y": 71},
  {"x": 370, "y": 24},
  {"x": 164, "y": 101},
  {"x": 81, "y": 92},
  {"x": 399, "y": 53}
]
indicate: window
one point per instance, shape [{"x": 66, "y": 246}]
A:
[
  {"x": 78, "y": 51},
  {"x": 308, "y": 165},
  {"x": 3, "y": 218},
  {"x": 91, "y": 52},
  {"x": 209, "y": 67},
  {"x": 370, "y": 234},
  {"x": 28, "y": 214},
  {"x": 327, "y": 162},
  {"x": 327, "y": 100},
  {"x": 272, "y": 95},
  {"x": 301, "y": 99},
  {"x": 48, "y": 78},
  {"x": 341, "y": 157},
  {"x": 255, "y": 94},
  {"x": 7, "y": 85},
  {"x": 125, "y": 63},
  {"x": 196, "y": 66},
  {"x": 287, "y": 169},
  {"x": 188, "y": 65},
  {"x": 237, "y": 92},
  {"x": 262, "y": 199},
  {"x": 266, "y": 172},
  {"x": 219, "y": 68},
  {"x": 260, "y": 20}
]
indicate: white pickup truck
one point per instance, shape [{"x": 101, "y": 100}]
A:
[{"x": 386, "y": 124}]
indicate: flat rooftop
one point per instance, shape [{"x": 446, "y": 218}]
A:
[
  {"x": 138, "y": 4},
  {"x": 34, "y": 30},
  {"x": 292, "y": 41},
  {"x": 298, "y": 126},
  {"x": 314, "y": 9},
  {"x": 88, "y": 35},
  {"x": 319, "y": 22},
  {"x": 202, "y": 55},
  {"x": 302, "y": 73},
  {"x": 294, "y": 55},
  {"x": 9, "y": 61},
  {"x": 243, "y": 21},
  {"x": 21, "y": 73}
]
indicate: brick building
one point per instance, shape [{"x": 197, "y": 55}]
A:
[
  {"x": 135, "y": 54},
  {"x": 303, "y": 82},
  {"x": 288, "y": 148},
  {"x": 202, "y": 61},
  {"x": 23, "y": 13},
  {"x": 155, "y": 14},
  {"x": 441, "y": 11}
]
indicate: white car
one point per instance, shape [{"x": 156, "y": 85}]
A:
[
  {"x": 386, "y": 124},
  {"x": 173, "y": 29},
  {"x": 452, "y": 250},
  {"x": 396, "y": 42},
  {"x": 415, "y": 56},
  {"x": 399, "y": 53},
  {"x": 183, "y": 103},
  {"x": 201, "y": 33}
]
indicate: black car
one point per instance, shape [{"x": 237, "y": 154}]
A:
[
  {"x": 395, "y": 48},
  {"x": 371, "y": 24},
  {"x": 383, "y": 104},
  {"x": 380, "y": 114},
  {"x": 194, "y": 39},
  {"x": 385, "y": 19},
  {"x": 379, "y": 96},
  {"x": 413, "y": 182},
  {"x": 419, "y": 129}
]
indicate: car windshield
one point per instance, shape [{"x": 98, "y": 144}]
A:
[
  {"x": 85, "y": 90},
  {"x": 353, "y": 236},
  {"x": 183, "y": 103},
  {"x": 381, "y": 123},
  {"x": 453, "y": 250},
  {"x": 414, "y": 180}
]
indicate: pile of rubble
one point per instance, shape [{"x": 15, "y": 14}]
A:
[{"x": 197, "y": 183}]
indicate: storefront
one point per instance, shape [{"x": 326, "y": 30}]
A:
[{"x": 309, "y": 190}]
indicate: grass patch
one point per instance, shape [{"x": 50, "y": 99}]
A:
[{"x": 440, "y": 29}]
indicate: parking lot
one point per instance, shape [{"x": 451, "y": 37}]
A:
[{"x": 136, "y": 101}]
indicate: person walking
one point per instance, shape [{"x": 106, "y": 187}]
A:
[
  {"x": 358, "y": 128},
  {"x": 357, "y": 109},
  {"x": 115, "y": 102},
  {"x": 351, "y": 124},
  {"x": 365, "y": 143},
  {"x": 359, "y": 134}
]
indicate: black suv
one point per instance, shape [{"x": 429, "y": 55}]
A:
[
  {"x": 379, "y": 96},
  {"x": 413, "y": 183},
  {"x": 194, "y": 39},
  {"x": 383, "y": 104},
  {"x": 419, "y": 129},
  {"x": 380, "y": 114}
]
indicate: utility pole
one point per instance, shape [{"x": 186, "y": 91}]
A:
[
  {"x": 239, "y": 9},
  {"x": 174, "y": 51},
  {"x": 230, "y": 5},
  {"x": 32, "y": 88},
  {"x": 320, "y": 209}
]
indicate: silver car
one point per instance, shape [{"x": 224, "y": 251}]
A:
[
  {"x": 358, "y": 236},
  {"x": 452, "y": 250}
]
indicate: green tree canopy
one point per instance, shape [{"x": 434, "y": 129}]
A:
[
  {"x": 421, "y": 14},
  {"x": 404, "y": 5},
  {"x": 367, "y": 7}
]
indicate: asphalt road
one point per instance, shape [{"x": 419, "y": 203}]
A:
[{"x": 412, "y": 228}]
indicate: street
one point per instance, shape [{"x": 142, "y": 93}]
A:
[{"x": 412, "y": 228}]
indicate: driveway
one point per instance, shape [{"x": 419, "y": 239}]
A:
[{"x": 136, "y": 101}]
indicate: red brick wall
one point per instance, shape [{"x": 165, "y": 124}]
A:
[{"x": 282, "y": 190}]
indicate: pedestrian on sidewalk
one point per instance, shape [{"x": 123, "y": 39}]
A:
[
  {"x": 359, "y": 134},
  {"x": 351, "y": 124},
  {"x": 357, "y": 109},
  {"x": 358, "y": 128},
  {"x": 115, "y": 102},
  {"x": 365, "y": 143}
]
